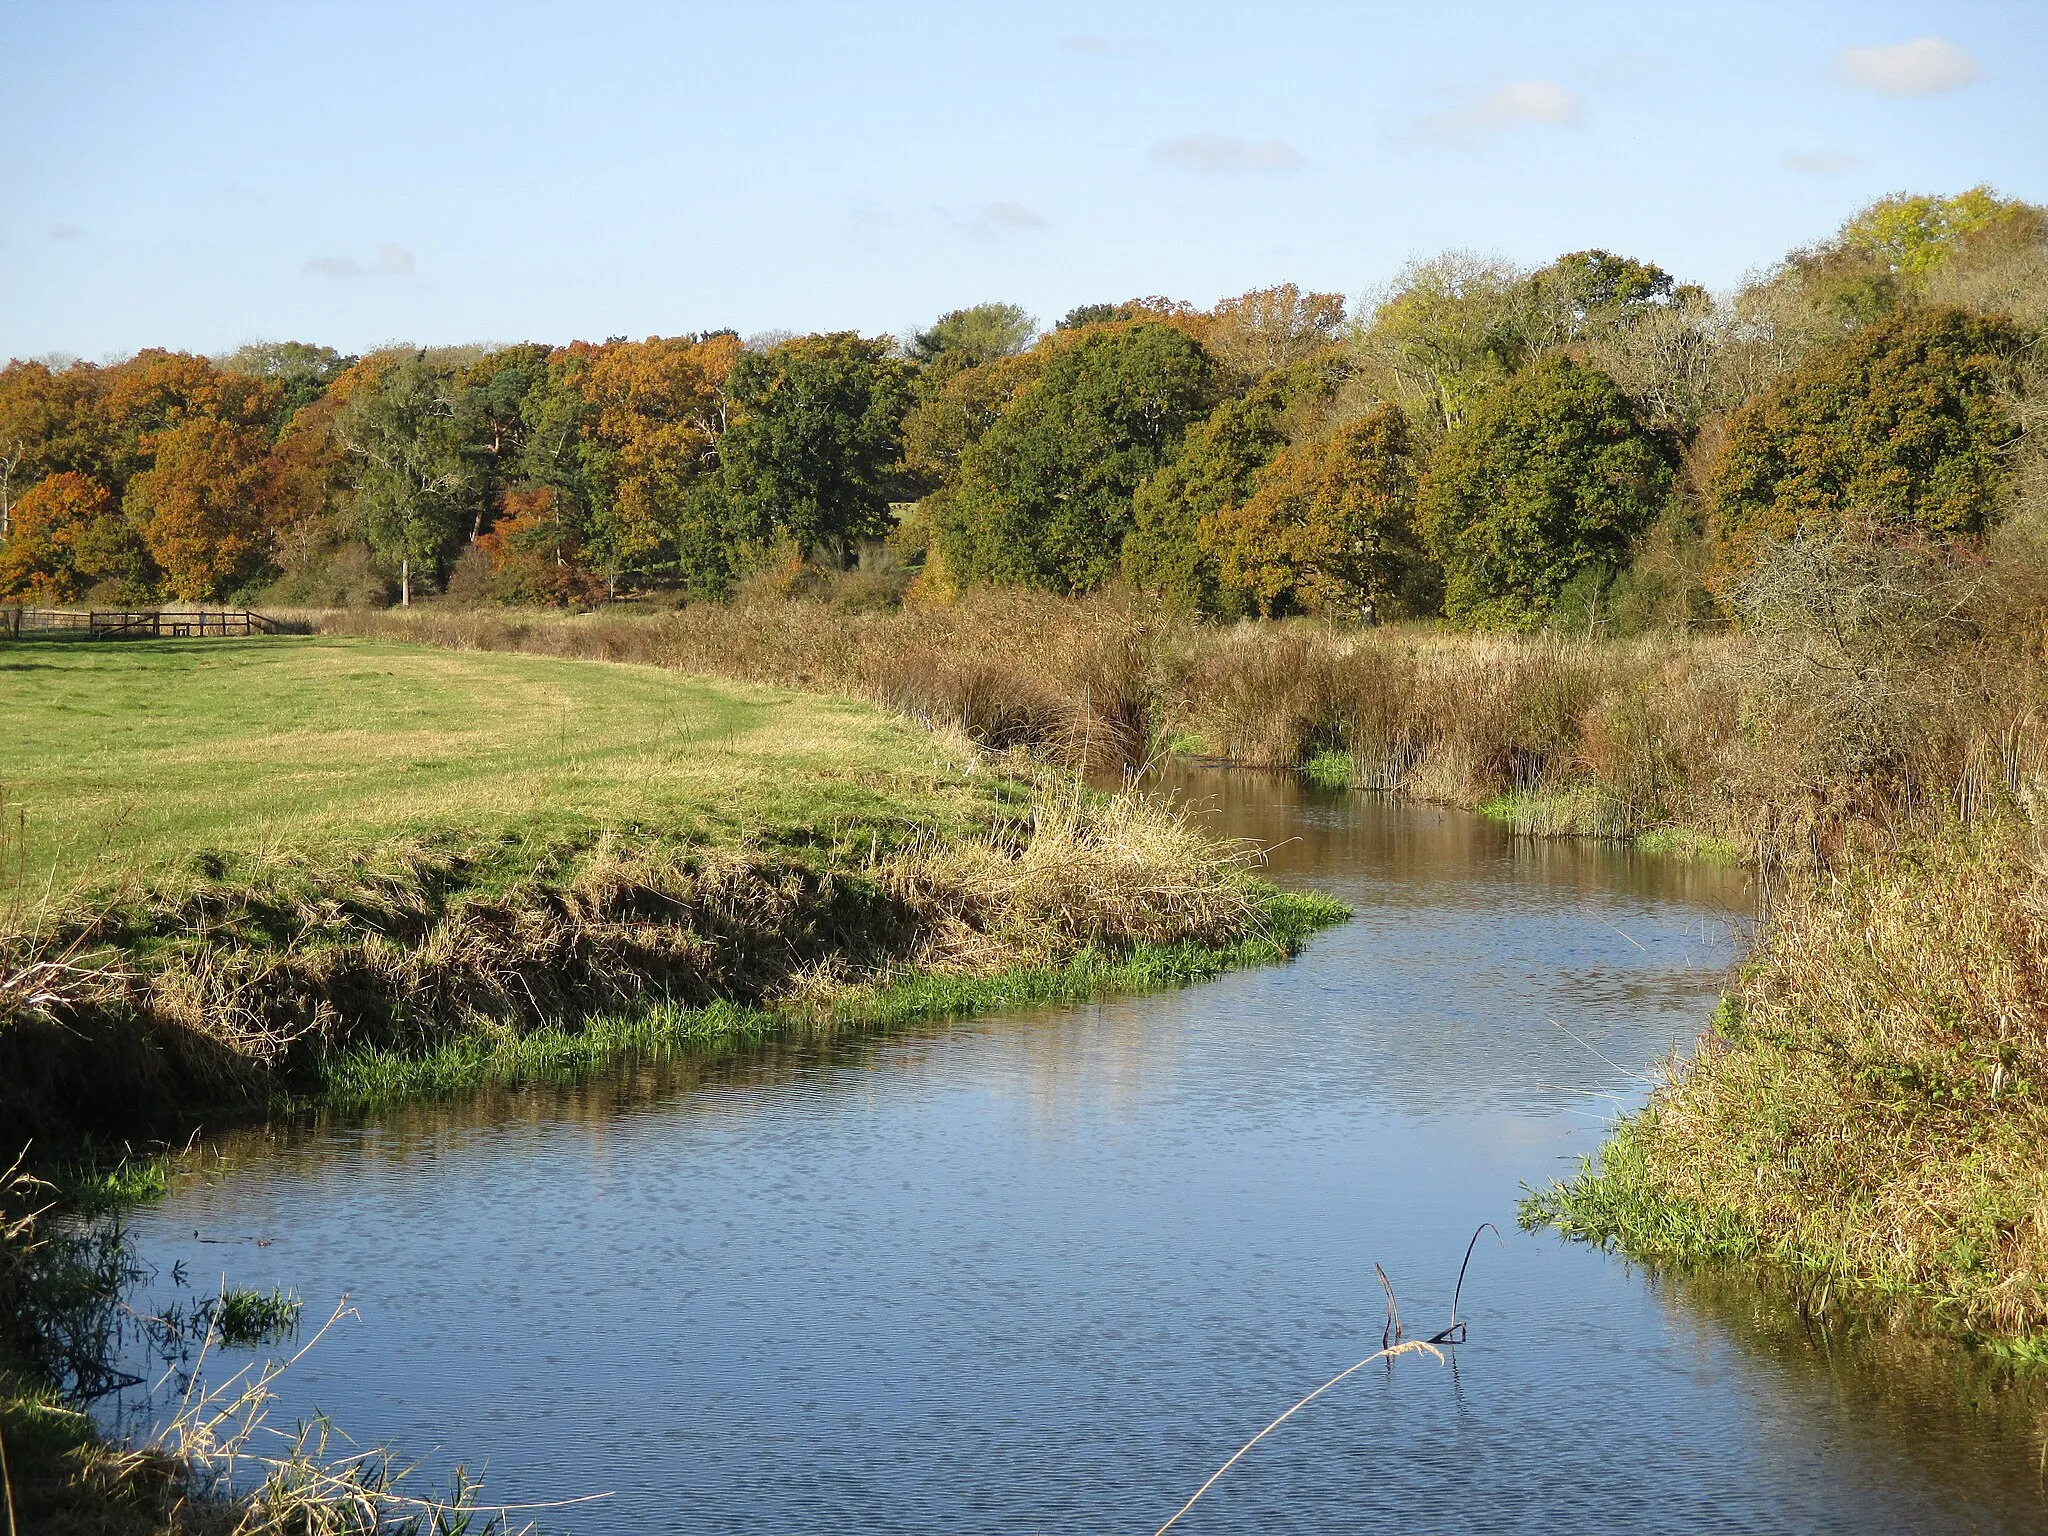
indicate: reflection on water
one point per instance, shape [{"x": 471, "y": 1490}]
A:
[{"x": 1043, "y": 1272}]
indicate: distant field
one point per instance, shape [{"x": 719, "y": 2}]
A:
[{"x": 126, "y": 756}]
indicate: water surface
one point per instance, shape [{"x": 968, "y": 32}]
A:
[{"x": 1043, "y": 1272}]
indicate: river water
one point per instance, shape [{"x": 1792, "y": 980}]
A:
[{"x": 1045, "y": 1271}]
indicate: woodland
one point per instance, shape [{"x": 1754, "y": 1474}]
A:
[{"x": 1592, "y": 447}]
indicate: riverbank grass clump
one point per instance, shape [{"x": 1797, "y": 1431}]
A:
[{"x": 1871, "y": 1110}]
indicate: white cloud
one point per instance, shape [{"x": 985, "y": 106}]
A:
[
  {"x": 66, "y": 232},
  {"x": 992, "y": 220},
  {"x": 1818, "y": 162},
  {"x": 1098, "y": 47},
  {"x": 1508, "y": 106},
  {"x": 1926, "y": 66},
  {"x": 1215, "y": 154},
  {"x": 392, "y": 261}
]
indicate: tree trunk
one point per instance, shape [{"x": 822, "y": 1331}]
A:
[{"x": 405, "y": 581}]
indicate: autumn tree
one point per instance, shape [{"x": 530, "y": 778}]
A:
[
  {"x": 156, "y": 391},
  {"x": 1547, "y": 476},
  {"x": 410, "y": 462},
  {"x": 653, "y": 414},
  {"x": 533, "y": 550},
  {"x": 48, "y": 555},
  {"x": 1045, "y": 495},
  {"x": 1329, "y": 526},
  {"x": 1904, "y": 424},
  {"x": 811, "y": 448},
  {"x": 53, "y": 422},
  {"x": 1271, "y": 328},
  {"x": 199, "y": 507},
  {"x": 1165, "y": 552}
]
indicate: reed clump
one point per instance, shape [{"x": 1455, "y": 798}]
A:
[{"x": 1871, "y": 1109}]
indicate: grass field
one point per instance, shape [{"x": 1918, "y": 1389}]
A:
[{"x": 125, "y": 758}]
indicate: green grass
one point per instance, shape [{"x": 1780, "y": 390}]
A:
[
  {"x": 360, "y": 1080},
  {"x": 1685, "y": 843},
  {"x": 124, "y": 758},
  {"x": 1330, "y": 770}
]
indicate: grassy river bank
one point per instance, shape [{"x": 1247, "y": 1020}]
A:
[
  {"x": 258, "y": 877},
  {"x": 1867, "y": 1114}
]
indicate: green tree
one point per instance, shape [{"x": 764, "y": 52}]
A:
[
  {"x": 412, "y": 462},
  {"x": 1912, "y": 234},
  {"x": 1589, "y": 294},
  {"x": 967, "y": 338},
  {"x": 1904, "y": 424},
  {"x": 1045, "y": 495},
  {"x": 303, "y": 370},
  {"x": 1548, "y": 476},
  {"x": 1452, "y": 328},
  {"x": 811, "y": 448}
]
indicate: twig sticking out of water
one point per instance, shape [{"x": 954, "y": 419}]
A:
[
  {"x": 1412, "y": 1347},
  {"x": 1455, "y": 1333},
  {"x": 1391, "y": 1347},
  {"x": 1391, "y": 1334}
]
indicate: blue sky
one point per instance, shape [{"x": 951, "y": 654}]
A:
[{"x": 199, "y": 175}]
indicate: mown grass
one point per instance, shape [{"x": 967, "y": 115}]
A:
[{"x": 125, "y": 758}]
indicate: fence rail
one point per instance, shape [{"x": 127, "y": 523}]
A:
[{"x": 135, "y": 623}]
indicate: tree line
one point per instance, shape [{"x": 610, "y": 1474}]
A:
[{"x": 1590, "y": 443}]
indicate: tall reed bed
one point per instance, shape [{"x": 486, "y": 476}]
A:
[{"x": 1788, "y": 745}]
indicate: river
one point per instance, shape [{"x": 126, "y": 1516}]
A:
[{"x": 1044, "y": 1271}]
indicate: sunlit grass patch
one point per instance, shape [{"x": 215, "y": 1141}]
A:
[{"x": 126, "y": 758}]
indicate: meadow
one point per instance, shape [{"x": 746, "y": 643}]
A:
[{"x": 126, "y": 759}]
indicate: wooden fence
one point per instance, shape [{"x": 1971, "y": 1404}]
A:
[{"x": 133, "y": 623}]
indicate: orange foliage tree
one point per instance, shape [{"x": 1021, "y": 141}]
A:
[
  {"x": 656, "y": 410},
  {"x": 156, "y": 391},
  {"x": 1329, "y": 526},
  {"x": 40, "y": 562},
  {"x": 51, "y": 422},
  {"x": 534, "y": 552},
  {"x": 201, "y": 506}
]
